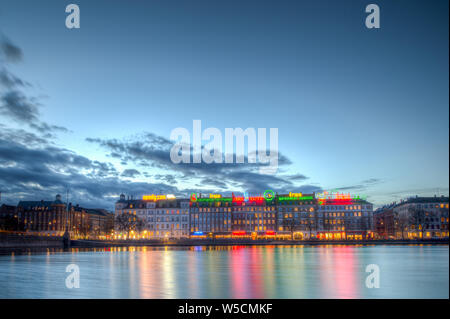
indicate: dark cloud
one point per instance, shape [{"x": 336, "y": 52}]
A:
[
  {"x": 297, "y": 177},
  {"x": 11, "y": 52},
  {"x": 48, "y": 129},
  {"x": 23, "y": 110},
  {"x": 15, "y": 103},
  {"x": 372, "y": 181},
  {"x": 212, "y": 181},
  {"x": 362, "y": 186},
  {"x": 130, "y": 173},
  {"x": 40, "y": 172},
  {"x": 9, "y": 80},
  {"x": 16, "y": 106},
  {"x": 150, "y": 150},
  {"x": 169, "y": 178},
  {"x": 22, "y": 136}
]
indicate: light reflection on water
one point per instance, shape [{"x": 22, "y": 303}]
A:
[{"x": 326, "y": 271}]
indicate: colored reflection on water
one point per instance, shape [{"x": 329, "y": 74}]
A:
[{"x": 243, "y": 272}]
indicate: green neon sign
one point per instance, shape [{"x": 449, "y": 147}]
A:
[
  {"x": 209, "y": 200},
  {"x": 269, "y": 195},
  {"x": 283, "y": 198}
]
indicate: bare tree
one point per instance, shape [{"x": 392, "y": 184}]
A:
[
  {"x": 311, "y": 223},
  {"x": 291, "y": 225},
  {"x": 139, "y": 225},
  {"x": 127, "y": 222},
  {"x": 401, "y": 222},
  {"x": 418, "y": 218}
]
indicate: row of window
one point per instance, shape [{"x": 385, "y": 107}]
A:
[
  {"x": 347, "y": 207},
  {"x": 157, "y": 212},
  {"x": 168, "y": 226},
  {"x": 168, "y": 219}
]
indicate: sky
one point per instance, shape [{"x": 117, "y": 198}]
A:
[{"x": 90, "y": 110}]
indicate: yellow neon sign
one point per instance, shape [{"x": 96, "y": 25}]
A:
[
  {"x": 154, "y": 197},
  {"x": 295, "y": 194},
  {"x": 215, "y": 196}
]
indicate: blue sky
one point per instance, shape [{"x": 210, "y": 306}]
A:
[{"x": 362, "y": 110}]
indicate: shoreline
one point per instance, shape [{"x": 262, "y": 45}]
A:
[
  {"x": 186, "y": 243},
  {"x": 32, "y": 242},
  {"x": 99, "y": 245}
]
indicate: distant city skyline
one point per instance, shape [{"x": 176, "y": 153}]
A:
[{"x": 91, "y": 110}]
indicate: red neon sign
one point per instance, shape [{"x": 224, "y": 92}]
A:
[
  {"x": 239, "y": 200},
  {"x": 337, "y": 201},
  {"x": 270, "y": 233},
  {"x": 256, "y": 199},
  {"x": 238, "y": 233}
]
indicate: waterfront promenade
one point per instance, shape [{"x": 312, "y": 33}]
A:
[
  {"x": 29, "y": 241},
  {"x": 227, "y": 242}
]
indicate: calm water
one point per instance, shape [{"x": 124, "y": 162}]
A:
[{"x": 229, "y": 272}]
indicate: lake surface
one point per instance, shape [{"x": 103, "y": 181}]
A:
[{"x": 326, "y": 271}]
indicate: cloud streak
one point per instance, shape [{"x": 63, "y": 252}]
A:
[
  {"x": 15, "y": 104},
  {"x": 10, "y": 51},
  {"x": 40, "y": 172},
  {"x": 150, "y": 150}
]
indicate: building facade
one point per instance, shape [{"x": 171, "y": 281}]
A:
[
  {"x": 53, "y": 218},
  {"x": 254, "y": 216},
  {"x": 385, "y": 223},
  {"x": 210, "y": 215},
  {"x": 287, "y": 216},
  {"x": 232, "y": 217},
  {"x": 297, "y": 216},
  {"x": 161, "y": 217},
  {"x": 348, "y": 219},
  {"x": 46, "y": 218},
  {"x": 414, "y": 218}
]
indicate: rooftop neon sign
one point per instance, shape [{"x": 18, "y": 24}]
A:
[
  {"x": 211, "y": 198},
  {"x": 239, "y": 200},
  {"x": 336, "y": 198},
  {"x": 269, "y": 195},
  {"x": 295, "y": 196},
  {"x": 154, "y": 197}
]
